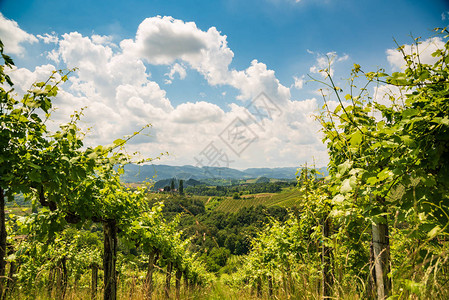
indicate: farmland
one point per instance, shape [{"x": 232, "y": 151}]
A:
[{"x": 286, "y": 198}]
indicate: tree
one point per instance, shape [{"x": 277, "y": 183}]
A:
[
  {"x": 23, "y": 135},
  {"x": 181, "y": 187},
  {"x": 8, "y": 152},
  {"x": 378, "y": 149},
  {"x": 76, "y": 184}
]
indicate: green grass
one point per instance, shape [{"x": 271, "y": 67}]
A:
[
  {"x": 18, "y": 210},
  {"x": 286, "y": 198}
]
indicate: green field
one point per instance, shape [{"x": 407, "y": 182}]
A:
[
  {"x": 18, "y": 210},
  {"x": 284, "y": 199}
]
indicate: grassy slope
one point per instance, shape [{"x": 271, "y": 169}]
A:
[{"x": 284, "y": 199}]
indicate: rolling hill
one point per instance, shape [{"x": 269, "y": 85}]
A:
[{"x": 135, "y": 173}]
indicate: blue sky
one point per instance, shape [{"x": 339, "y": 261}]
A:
[{"x": 191, "y": 67}]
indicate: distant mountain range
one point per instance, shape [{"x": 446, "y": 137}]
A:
[{"x": 135, "y": 173}]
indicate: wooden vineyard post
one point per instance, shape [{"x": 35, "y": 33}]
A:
[{"x": 109, "y": 259}]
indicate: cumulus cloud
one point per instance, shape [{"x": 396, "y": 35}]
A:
[
  {"x": 388, "y": 95},
  {"x": 164, "y": 40},
  {"x": 13, "y": 37},
  {"x": 299, "y": 82},
  {"x": 424, "y": 49},
  {"x": 114, "y": 84},
  {"x": 161, "y": 40},
  {"x": 258, "y": 78},
  {"x": 49, "y": 38},
  {"x": 175, "y": 69},
  {"x": 326, "y": 62},
  {"x": 197, "y": 113},
  {"x": 103, "y": 40}
]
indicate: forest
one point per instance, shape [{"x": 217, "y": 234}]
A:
[
  {"x": 375, "y": 228},
  {"x": 241, "y": 189}
]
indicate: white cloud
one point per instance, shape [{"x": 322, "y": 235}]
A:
[
  {"x": 175, "y": 69},
  {"x": 299, "y": 82},
  {"x": 115, "y": 85},
  {"x": 49, "y": 38},
  {"x": 387, "y": 95},
  {"x": 198, "y": 112},
  {"x": 103, "y": 40},
  {"x": 24, "y": 78},
  {"x": 99, "y": 64},
  {"x": 445, "y": 15},
  {"x": 161, "y": 40},
  {"x": 256, "y": 79},
  {"x": 13, "y": 37},
  {"x": 326, "y": 62},
  {"x": 425, "y": 50}
]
